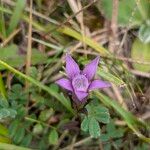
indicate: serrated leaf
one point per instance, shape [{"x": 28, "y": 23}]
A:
[
  {"x": 141, "y": 52},
  {"x": 4, "y": 113},
  {"x": 144, "y": 33},
  {"x": 100, "y": 113},
  {"x": 53, "y": 137},
  {"x": 94, "y": 128},
  {"x": 85, "y": 124},
  {"x": 19, "y": 135}
]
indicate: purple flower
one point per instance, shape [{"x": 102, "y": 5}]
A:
[{"x": 80, "y": 83}]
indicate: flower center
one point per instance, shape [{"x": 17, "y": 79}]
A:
[{"x": 80, "y": 83}]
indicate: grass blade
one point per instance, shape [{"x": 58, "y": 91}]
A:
[
  {"x": 2, "y": 87},
  {"x": 4, "y": 146},
  {"x": 2, "y": 23},
  {"x": 20, "y": 4},
  {"x": 88, "y": 41}
]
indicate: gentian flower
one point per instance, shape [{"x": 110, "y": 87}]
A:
[{"x": 78, "y": 82}]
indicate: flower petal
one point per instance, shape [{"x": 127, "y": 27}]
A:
[
  {"x": 81, "y": 95},
  {"x": 90, "y": 69},
  {"x": 65, "y": 83},
  {"x": 98, "y": 84},
  {"x": 72, "y": 68}
]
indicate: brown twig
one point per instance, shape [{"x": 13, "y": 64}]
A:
[
  {"x": 114, "y": 28},
  {"x": 6, "y": 41},
  {"x": 78, "y": 143},
  {"x": 112, "y": 47},
  {"x": 71, "y": 17},
  {"x": 114, "y": 57},
  {"x": 139, "y": 73}
]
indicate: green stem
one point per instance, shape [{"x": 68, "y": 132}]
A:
[
  {"x": 2, "y": 88},
  {"x": 4, "y": 146}
]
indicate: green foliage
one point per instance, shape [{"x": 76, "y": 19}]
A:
[
  {"x": 4, "y": 136},
  {"x": 144, "y": 33},
  {"x": 110, "y": 77},
  {"x": 96, "y": 114},
  {"x": 53, "y": 137},
  {"x": 16, "y": 15},
  {"x": 112, "y": 132},
  {"x": 135, "y": 13},
  {"x": 38, "y": 115},
  {"x": 132, "y": 122},
  {"x": 123, "y": 14},
  {"x": 2, "y": 23},
  {"x": 6, "y": 110},
  {"x": 38, "y": 129},
  {"x": 141, "y": 51},
  {"x": 46, "y": 114},
  {"x": 94, "y": 128},
  {"x": 11, "y": 55}
]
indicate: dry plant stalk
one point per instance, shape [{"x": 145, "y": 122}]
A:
[
  {"x": 112, "y": 47},
  {"x": 29, "y": 48}
]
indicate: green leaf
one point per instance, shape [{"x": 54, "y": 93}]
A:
[
  {"x": 20, "y": 4},
  {"x": 19, "y": 135},
  {"x": 144, "y": 33},
  {"x": 4, "y": 146},
  {"x": 4, "y": 139},
  {"x": 141, "y": 52},
  {"x": 7, "y": 112},
  {"x": 100, "y": 113},
  {"x": 113, "y": 132},
  {"x": 11, "y": 55},
  {"x": 58, "y": 96},
  {"x": 2, "y": 22},
  {"x": 85, "y": 124},
  {"x": 3, "y": 130},
  {"x": 38, "y": 128},
  {"x": 94, "y": 128},
  {"x": 26, "y": 140},
  {"x": 4, "y": 113},
  {"x": 124, "y": 12},
  {"x": 3, "y": 102},
  {"x": 2, "y": 88},
  {"x": 53, "y": 137},
  {"x": 46, "y": 114},
  {"x": 13, "y": 128},
  {"x": 132, "y": 122}
]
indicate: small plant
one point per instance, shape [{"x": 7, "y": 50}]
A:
[{"x": 80, "y": 83}]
